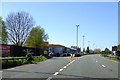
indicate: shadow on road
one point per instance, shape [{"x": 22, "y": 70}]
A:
[
  {"x": 75, "y": 77},
  {"x": 27, "y": 72}
]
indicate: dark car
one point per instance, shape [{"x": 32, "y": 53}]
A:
[
  {"x": 77, "y": 54},
  {"x": 68, "y": 54}
]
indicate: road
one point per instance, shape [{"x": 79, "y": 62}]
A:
[{"x": 88, "y": 67}]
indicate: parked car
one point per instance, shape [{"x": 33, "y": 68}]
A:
[
  {"x": 77, "y": 54},
  {"x": 63, "y": 54},
  {"x": 68, "y": 54},
  {"x": 50, "y": 55}
]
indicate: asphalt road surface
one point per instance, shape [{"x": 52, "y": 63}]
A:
[{"x": 88, "y": 67}]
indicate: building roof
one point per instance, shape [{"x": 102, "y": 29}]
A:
[{"x": 54, "y": 45}]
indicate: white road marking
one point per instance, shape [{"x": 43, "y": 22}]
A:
[
  {"x": 1, "y": 71},
  {"x": 56, "y": 73},
  {"x": 61, "y": 70},
  {"x": 64, "y": 67},
  {"x": 96, "y": 61},
  {"x": 49, "y": 78},
  {"x": 67, "y": 65},
  {"x": 10, "y": 69},
  {"x": 103, "y": 66}
]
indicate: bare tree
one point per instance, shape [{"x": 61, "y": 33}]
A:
[{"x": 18, "y": 27}]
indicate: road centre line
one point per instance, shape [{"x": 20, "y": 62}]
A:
[
  {"x": 61, "y": 70},
  {"x": 65, "y": 67},
  {"x": 56, "y": 73},
  {"x": 103, "y": 66},
  {"x": 49, "y": 78}
]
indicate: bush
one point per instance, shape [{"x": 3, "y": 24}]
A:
[
  {"x": 29, "y": 56},
  {"x": 104, "y": 55},
  {"x": 40, "y": 58}
]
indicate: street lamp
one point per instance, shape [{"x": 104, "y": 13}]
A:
[
  {"x": 77, "y": 25},
  {"x": 83, "y": 43}
]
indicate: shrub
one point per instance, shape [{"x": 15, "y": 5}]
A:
[
  {"x": 29, "y": 56},
  {"x": 40, "y": 58}
]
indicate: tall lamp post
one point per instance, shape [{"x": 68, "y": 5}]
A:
[
  {"x": 77, "y": 25},
  {"x": 83, "y": 43}
]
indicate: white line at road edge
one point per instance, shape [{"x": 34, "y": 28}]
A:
[
  {"x": 103, "y": 66},
  {"x": 10, "y": 69},
  {"x": 56, "y": 73}
]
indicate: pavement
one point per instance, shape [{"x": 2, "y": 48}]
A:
[{"x": 88, "y": 67}]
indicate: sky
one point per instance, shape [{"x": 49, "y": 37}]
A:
[{"x": 98, "y": 21}]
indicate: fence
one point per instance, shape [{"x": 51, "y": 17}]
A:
[{"x": 18, "y": 51}]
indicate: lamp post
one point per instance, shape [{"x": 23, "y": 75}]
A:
[
  {"x": 77, "y": 35},
  {"x": 83, "y": 43}
]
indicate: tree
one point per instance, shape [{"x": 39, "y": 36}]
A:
[
  {"x": 3, "y": 32},
  {"x": 118, "y": 47},
  {"x": 18, "y": 27},
  {"x": 83, "y": 50},
  {"x": 36, "y": 37},
  {"x": 87, "y": 51},
  {"x": 107, "y": 51},
  {"x": 97, "y": 51}
]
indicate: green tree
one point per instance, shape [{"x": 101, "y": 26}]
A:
[
  {"x": 3, "y": 32},
  {"x": 118, "y": 47},
  {"x": 36, "y": 37},
  {"x": 83, "y": 50},
  {"x": 97, "y": 51},
  {"x": 107, "y": 51},
  {"x": 87, "y": 51}
]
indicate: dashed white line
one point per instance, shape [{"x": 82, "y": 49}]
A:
[
  {"x": 56, "y": 73},
  {"x": 103, "y": 66},
  {"x": 49, "y": 78},
  {"x": 96, "y": 61},
  {"x": 65, "y": 67},
  {"x": 61, "y": 70}
]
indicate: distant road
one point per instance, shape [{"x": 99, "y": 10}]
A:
[{"x": 88, "y": 67}]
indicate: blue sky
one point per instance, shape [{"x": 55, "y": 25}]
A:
[{"x": 98, "y": 21}]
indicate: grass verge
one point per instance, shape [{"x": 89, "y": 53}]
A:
[
  {"x": 14, "y": 63},
  {"x": 111, "y": 58}
]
